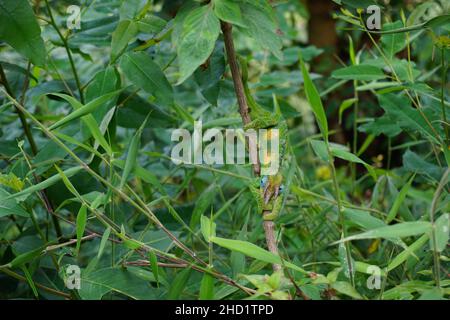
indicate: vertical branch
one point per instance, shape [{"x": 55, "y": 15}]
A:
[{"x": 269, "y": 226}]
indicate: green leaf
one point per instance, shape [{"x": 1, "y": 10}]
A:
[
  {"x": 153, "y": 260},
  {"x": 340, "y": 152},
  {"x": 359, "y": 72},
  {"x": 125, "y": 31},
  {"x": 10, "y": 207},
  {"x": 363, "y": 219},
  {"x": 261, "y": 26},
  {"x": 202, "y": 204},
  {"x": 399, "y": 230},
  {"x": 399, "y": 108},
  {"x": 151, "y": 24},
  {"x": 81, "y": 225},
  {"x": 26, "y": 257},
  {"x": 132, "y": 154},
  {"x": 130, "y": 9},
  {"x": 200, "y": 31},
  {"x": 79, "y": 109},
  {"x": 103, "y": 242},
  {"x": 251, "y": 250},
  {"x": 94, "y": 285},
  {"x": 207, "y": 287},
  {"x": 140, "y": 69},
  {"x": 22, "y": 195},
  {"x": 402, "y": 256},
  {"x": 19, "y": 28},
  {"x": 314, "y": 101},
  {"x": 208, "y": 228},
  {"x": 382, "y": 125},
  {"x": 441, "y": 230},
  {"x": 347, "y": 103},
  {"x": 399, "y": 200},
  {"x": 178, "y": 284},
  {"x": 347, "y": 289},
  {"x": 229, "y": 11},
  {"x": 393, "y": 43}
]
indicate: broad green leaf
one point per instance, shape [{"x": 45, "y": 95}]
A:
[
  {"x": 399, "y": 230},
  {"x": 229, "y": 11},
  {"x": 22, "y": 195},
  {"x": 399, "y": 108},
  {"x": 363, "y": 219},
  {"x": 359, "y": 72},
  {"x": 207, "y": 287},
  {"x": 130, "y": 9},
  {"x": 151, "y": 24},
  {"x": 94, "y": 285},
  {"x": 140, "y": 69},
  {"x": 126, "y": 30},
  {"x": 200, "y": 31},
  {"x": 441, "y": 230},
  {"x": 105, "y": 81},
  {"x": 81, "y": 225},
  {"x": 382, "y": 125},
  {"x": 19, "y": 28},
  {"x": 260, "y": 25},
  {"x": 252, "y": 250},
  {"x": 415, "y": 163},
  {"x": 393, "y": 43},
  {"x": 347, "y": 289},
  {"x": 10, "y": 207},
  {"x": 314, "y": 101}
]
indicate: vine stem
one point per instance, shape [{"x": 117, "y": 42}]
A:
[{"x": 269, "y": 226}]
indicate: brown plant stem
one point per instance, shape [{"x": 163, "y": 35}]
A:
[{"x": 269, "y": 226}]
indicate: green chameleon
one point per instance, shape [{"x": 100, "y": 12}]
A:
[{"x": 266, "y": 190}]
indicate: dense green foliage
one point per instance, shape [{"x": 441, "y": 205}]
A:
[{"x": 86, "y": 179}]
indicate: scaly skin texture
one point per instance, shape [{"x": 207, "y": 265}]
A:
[{"x": 266, "y": 190}]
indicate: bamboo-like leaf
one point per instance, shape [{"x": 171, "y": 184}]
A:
[
  {"x": 400, "y": 230},
  {"x": 207, "y": 287},
  {"x": 22, "y": 195},
  {"x": 81, "y": 110},
  {"x": 81, "y": 225},
  {"x": 399, "y": 200},
  {"x": 252, "y": 250},
  {"x": 314, "y": 101}
]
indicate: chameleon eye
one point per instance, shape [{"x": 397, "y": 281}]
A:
[
  {"x": 281, "y": 188},
  {"x": 263, "y": 182}
]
